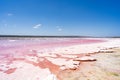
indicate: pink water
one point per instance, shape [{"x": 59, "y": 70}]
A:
[
  {"x": 16, "y": 50},
  {"x": 44, "y": 43}
]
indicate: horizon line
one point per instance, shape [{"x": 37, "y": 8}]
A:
[{"x": 79, "y": 36}]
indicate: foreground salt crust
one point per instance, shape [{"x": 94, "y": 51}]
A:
[
  {"x": 80, "y": 49},
  {"x": 51, "y": 77},
  {"x": 25, "y": 71},
  {"x": 85, "y": 58}
]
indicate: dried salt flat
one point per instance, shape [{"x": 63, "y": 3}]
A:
[
  {"x": 89, "y": 48},
  {"x": 64, "y": 63},
  {"x": 51, "y": 77},
  {"x": 26, "y": 71},
  {"x": 85, "y": 58},
  {"x": 32, "y": 58}
]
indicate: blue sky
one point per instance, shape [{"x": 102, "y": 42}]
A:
[{"x": 60, "y": 17}]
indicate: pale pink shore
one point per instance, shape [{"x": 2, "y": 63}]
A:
[{"x": 35, "y": 62}]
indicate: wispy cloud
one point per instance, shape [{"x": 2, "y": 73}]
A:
[
  {"x": 37, "y": 26},
  {"x": 5, "y": 25},
  {"x": 59, "y": 28},
  {"x": 9, "y": 14}
]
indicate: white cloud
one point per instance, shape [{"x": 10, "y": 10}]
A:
[
  {"x": 9, "y": 14},
  {"x": 59, "y": 28},
  {"x": 37, "y": 26},
  {"x": 5, "y": 25}
]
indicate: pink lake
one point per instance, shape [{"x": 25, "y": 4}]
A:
[{"x": 18, "y": 50}]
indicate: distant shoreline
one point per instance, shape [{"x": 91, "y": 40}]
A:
[
  {"x": 54, "y": 36},
  {"x": 43, "y": 36}
]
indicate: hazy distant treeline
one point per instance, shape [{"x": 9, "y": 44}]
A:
[{"x": 36, "y": 37}]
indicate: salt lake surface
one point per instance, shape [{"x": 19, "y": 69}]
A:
[{"x": 33, "y": 57}]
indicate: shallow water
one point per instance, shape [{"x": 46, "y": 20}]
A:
[
  {"x": 26, "y": 55},
  {"x": 47, "y": 42}
]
